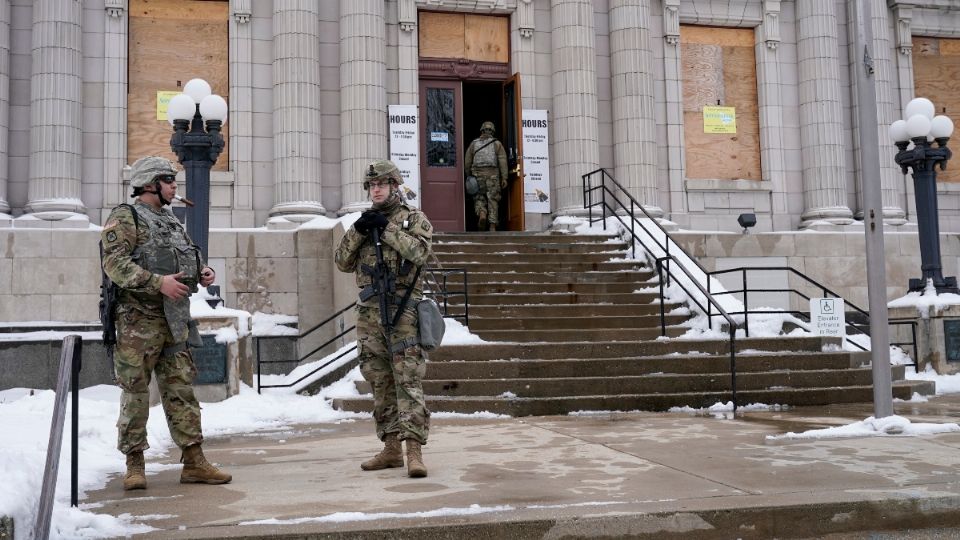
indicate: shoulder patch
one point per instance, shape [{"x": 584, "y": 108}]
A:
[
  {"x": 111, "y": 236},
  {"x": 110, "y": 224}
]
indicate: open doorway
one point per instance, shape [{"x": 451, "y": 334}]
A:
[{"x": 482, "y": 101}]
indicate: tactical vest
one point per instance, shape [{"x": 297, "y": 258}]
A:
[
  {"x": 403, "y": 270},
  {"x": 168, "y": 250},
  {"x": 487, "y": 155}
]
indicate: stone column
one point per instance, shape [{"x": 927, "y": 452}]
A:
[
  {"x": 408, "y": 54},
  {"x": 296, "y": 107},
  {"x": 363, "y": 96},
  {"x": 115, "y": 35},
  {"x": 241, "y": 111},
  {"x": 821, "y": 115},
  {"x": 4, "y": 103},
  {"x": 55, "y": 109},
  {"x": 673, "y": 97},
  {"x": 575, "y": 123},
  {"x": 891, "y": 179},
  {"x": 903, "y": 15},
  {"x": 770, "y": 93},
  {"x": 634, "y": 120},
  {"x": 523, "y": 57}
]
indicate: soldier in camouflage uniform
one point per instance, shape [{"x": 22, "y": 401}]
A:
[
  {"x": 487, "y": 161},
  {"x": 149, "y": 256},
  {"x": 399, "y": 408}
]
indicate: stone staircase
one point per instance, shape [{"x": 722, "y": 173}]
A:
[{"x": 569, "y": 331}]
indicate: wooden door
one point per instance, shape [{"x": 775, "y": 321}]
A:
[
  {"x": 441, "y": 163},
  {"x": 513, "y": 144}
]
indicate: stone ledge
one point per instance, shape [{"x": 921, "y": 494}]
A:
[{"x": 728, "y": 185}]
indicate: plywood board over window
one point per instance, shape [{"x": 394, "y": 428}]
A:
[
  {"x": 171, "y": 42},
  {"x": 719, "y": 68},
  {"x": 936, "y": 76},
  {"x": 482, "y": 38}
]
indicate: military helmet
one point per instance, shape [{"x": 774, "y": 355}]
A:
[
  {"x": 379, "y": 169},
  {"x": 488, "y": 127},
  {"x": 145, "y": 169}
]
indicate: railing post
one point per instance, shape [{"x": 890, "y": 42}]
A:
[
  {"x": 633, "y": 244},
  {"x": 916, "y": 352},
  {"x": 733, "y": 367},
  {"x": 257, "y": 340},
  {"x": 746, "y": 305},
  {"x": 603, "y": 199},
  {"x": 75, "y": 367},
  {"x": 48, "y": 489},
  {"x": 709, "y": 305},
  {"x": 663, "y": 316}
]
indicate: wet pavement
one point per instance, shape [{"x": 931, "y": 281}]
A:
[{"x": 641, "y": 475}]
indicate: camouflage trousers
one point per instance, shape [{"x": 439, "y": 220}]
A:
[
  {"x": 141, "y": 340},
  {"x": 487, "y": 199},
  {"x": 399, "y": 405}
]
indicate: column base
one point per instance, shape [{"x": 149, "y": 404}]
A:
[
  {"x": 52, "y": 208},
  {"x": 52, "y": 220},
  {"x": 361, "y": 206},
  {"x": 826, "y": 217},
  {"x": 300, "y": 207}
]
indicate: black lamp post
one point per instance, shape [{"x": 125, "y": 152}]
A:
[
  {"x": 922, "y": 128},
  {"x": 197, "y": 149}
]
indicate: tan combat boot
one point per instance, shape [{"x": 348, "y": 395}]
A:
[
  {"x": 482, "y": 220},
  {"x": 197, "y": 470},
  {"x": 415, "y": 466},
  {"x": 135, "y": 477},
  {"x": 391, "y": 455}
]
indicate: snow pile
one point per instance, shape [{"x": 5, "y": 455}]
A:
[
  {"x": 890, "y": 425},
  {"x": 265, "y": 324},
  {"x": 927, "y": 303},
  {"x": 946, "y": 384}
]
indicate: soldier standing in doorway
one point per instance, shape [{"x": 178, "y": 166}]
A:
[
  {"x": 149, "y": 257},
  {"x": 391, "y": 358},
  {"x": 487, "y": 161}
]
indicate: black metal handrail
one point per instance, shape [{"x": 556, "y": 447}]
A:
[
  {"x": 434, "y": 287},
  {"x": 664, "y": 262},
  {"x": 745, "y": 290}
]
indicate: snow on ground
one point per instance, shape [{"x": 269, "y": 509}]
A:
[
  {"x": 928, "y": 302},
  {"x": 891, "y": 425}
]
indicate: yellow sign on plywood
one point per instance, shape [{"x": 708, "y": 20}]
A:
[
  {"x": 719, "y": 119},
  {"x": 163, "y": 101}
]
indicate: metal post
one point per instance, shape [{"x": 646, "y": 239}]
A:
[
  {"x": 746, "y": 305},
  {"x": 75, "y": 367},
  {"x": 197, "y": 150},
  {"x": 873, "y": 212}
]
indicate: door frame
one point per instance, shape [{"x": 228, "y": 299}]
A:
[{"x": 456, "y": 206}]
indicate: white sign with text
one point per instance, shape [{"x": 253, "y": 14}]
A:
[
  {"x": 827, "y": 317},
  {"x": 536, "y": 161},
  {"x": 405, "y": 148}
]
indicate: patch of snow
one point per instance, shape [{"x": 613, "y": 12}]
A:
[{"x": 889, "y": 426}]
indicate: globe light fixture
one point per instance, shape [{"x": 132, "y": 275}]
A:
[
  {"x": 929, "y": 135},
  {"x": 197, "y": 116}
]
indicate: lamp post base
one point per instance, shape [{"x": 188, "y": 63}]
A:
[{"x": 947, "y": 286}]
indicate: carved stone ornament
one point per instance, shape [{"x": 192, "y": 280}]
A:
[
  {"x": 408, "y": 15},
  {"x": 242, "y": 10},
  {"x": 671, "y": 21},
  {"x": 525, "y": 18},
  {"x": 115, "y": 8},
  {"x": 904, "y": 17},
  {"x": 771, "y": 23}
]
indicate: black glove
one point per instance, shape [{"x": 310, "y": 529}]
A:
[{"x": 369, "y": 220}]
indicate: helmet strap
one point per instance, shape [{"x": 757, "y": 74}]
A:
[{"x": 156, "y": 186}]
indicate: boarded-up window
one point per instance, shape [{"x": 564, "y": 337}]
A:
[
  {"x": 171, "y": 42},
  {"x": 482, "y": 38},
  {"x": 719, "y": 68},
  {"x": 936, "y": 76}
]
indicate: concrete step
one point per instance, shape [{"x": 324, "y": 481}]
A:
[
  {"x": 521, "y": 237},
  {"x": 549, "y": 322},
  {"x": 541, "y": 406},
  {"x": 519, "y": 311},
  {"x": 515, "y": 247},
  {"x": 639, "y": 278},
  {"x": 541, "y": 267},
  {"x": 621, "y": 349},
  {"x": 656, "y": 383},
  {"x": 557, "y": 298},
  {"x": 587, "y": 334},
  {"x": 553, "y": 288},
  {"x": 633, "y": 366},
  {"x": 529, "y": 258}
]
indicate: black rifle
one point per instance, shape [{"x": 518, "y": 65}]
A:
[
  {"x": 384, "y": 286},
  {"x": 108, "y": 310}
]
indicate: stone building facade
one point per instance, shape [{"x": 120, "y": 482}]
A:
[{"x": 624, "y": 84}]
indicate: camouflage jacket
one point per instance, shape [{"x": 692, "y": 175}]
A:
[
  {"x": 495, "y": 146},
  {"x": 407, "y": 237},
  {"x": 139, "y": 251}
]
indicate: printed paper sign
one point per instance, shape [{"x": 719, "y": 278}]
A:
[
  {"x": 405, "y": 148},
  {"x": 827, "y": 317},
  {"x": 719, "y": 119},
  {"x": 163, "y": 101},
  {"x": 536, "y": 161}
]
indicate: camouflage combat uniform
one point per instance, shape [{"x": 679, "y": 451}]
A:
[
  {"x": 152, "y": 330},
  {"x": 399, "y": 405},
  {"x": 487, "y": 161}
]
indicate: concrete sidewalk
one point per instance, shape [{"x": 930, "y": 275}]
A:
[{"x": 642, "y": 475}]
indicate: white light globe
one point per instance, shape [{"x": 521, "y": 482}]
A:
[
  {"x": 199, "y": 89},
  {"x": 941, "y": 126},
  {"x": 214, "y": 107},
  {"x": 918, "y": 126},
  {"x": 920, "y": 106},
  {"x": 898, "y": 131},
  {"x": 181, "y": 107}
]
